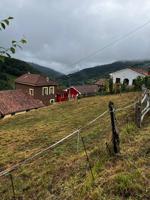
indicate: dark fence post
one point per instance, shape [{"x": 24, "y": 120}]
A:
[
  {"x": 115, "y": 133},
  {"x": 138, "y": 114},
  {"x": 12, "y": 185}
]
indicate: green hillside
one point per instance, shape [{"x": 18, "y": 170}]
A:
[
  {"x": 63, "y": 172},
  {"x": 47, "y": 71},
  {"x": 12, "y": 68},
  {"x": 92, "y": 74}
]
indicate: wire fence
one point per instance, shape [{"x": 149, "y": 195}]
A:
[{"x": 84, "y": 141}]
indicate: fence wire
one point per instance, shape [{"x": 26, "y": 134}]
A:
[{"x": 101, "y": 133}]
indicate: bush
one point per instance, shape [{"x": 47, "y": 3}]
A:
[{"x": 5, "y": 85}]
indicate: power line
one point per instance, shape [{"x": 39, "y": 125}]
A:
[{"x": 112, "y": 43}]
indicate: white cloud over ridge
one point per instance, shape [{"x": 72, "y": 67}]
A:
[{"x": 61, "y": 32}]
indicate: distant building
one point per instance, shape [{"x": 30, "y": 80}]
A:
[
  {"x": 15, "y": 102},
  {"x": 61, "y": 95},
  {"x": 82, "y": 90},
  {"x": 128, "y": 75},
  {"x": 101, "y": 83},
  {"x": 38, "y": 86}
]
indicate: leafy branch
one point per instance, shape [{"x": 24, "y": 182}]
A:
[
  {"x": 14, "y": 44},
  {"x": 5, "y": 22}
]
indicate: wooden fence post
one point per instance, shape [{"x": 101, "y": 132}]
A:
[
  {"x": 138, "y": 114},
  {"x": 115, "y": 133},
  {"x": 12, "y": 185}
]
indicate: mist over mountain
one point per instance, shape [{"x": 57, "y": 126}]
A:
[{"x": 90, "y": 75}]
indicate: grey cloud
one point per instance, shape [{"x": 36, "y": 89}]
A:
[{"x": 59, "y": 32}]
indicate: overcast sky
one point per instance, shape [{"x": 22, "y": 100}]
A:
[{"x": 60, "y": 32}]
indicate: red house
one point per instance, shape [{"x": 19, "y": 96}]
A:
[
  {"x": 82, "y": 90},
  {"x": 61, "y": 96}
]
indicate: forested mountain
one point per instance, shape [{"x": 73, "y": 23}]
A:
[
  {"x": 12, "y": 68},
  {"x": 45, "y": 70},
  {"x": 92, "y": 74}
]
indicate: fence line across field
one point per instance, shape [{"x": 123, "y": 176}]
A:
[
  {"x": 7, "y": 171},
  {"x": 76, "y": 132},
  {"x": 126, "y": 107}
]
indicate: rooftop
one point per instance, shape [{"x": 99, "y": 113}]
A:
[
  {"x": 34, "y": 80},
  {"x": 142, "y": 71},
  {"x": 13, "y": 101},
  {"x": 84, "y": 89},
  {"x": 101, "y": 82}
]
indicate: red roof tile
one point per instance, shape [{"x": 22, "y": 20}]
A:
[
  {"x": 141, "y": 71},
  {"x": 35, "y": 80},
  {"x": 12, "y": 101}
]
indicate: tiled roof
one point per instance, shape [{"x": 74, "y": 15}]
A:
[
  {"x": 12, "y": 101},
  {"x": 86, "y": 89},
  {"x": 140, "y": 70},
  {"x": 101, "y": 82},
  {"x": 145, "y": 72},
  {"x": 35, "y": 80}
]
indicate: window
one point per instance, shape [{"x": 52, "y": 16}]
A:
[
  {"x": 126, "y": 81},
  {"x": 31, "y": 92},
  {"x": 117, "y": 80},
  {"x": 45, "y": 91},
  {"x": 134, "y": 82},
  {"x": 51, "y": 90}
]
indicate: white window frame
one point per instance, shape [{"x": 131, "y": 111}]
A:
[
  {"x": 51, "y": 88},
  {"x": 52, "y": 101},
  {"x": 44, "y": 91},
  {"x": 31, "y": 91}
]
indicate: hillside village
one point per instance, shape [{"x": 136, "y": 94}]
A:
[
  {"x": 78, "y": 168},
  {"x": 33, "y": 91},
  {"x": 74, "y": 100}
]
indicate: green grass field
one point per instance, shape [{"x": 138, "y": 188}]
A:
[{"x": 63, "y": 173}]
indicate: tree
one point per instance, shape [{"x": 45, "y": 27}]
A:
[
  {"x": 147, "y": 82},
  {"x": 138, "y": 83},
  {"x": 111, "y": 89},
  {"x": 14, "y": 44}
]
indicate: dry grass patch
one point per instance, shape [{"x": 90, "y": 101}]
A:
[{"x": 63, "y": 173}]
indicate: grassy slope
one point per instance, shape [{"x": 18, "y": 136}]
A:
[{"x": 63, "y": 172}]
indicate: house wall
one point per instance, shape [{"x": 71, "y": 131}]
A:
[
  {"x": 125, "y": 74},
  {"x": 61, "y": 97},
  {"x": 37, "y": 92},
  {"x": 72, "y": 93}
]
